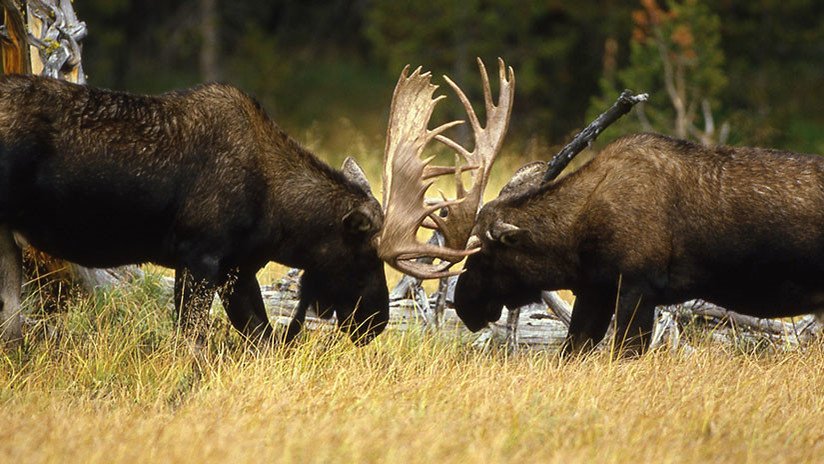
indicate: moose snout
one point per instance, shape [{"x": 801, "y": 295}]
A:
[{"x": 473, "y": 304}]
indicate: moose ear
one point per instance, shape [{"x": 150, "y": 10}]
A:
[
  {"x": 513, "y": 238},
  {"x": 359, "y": 221},
  {"x": 528, "y": 175},
  {"x": 507, "y": 234},
  {"x": 353, "y": 172}
]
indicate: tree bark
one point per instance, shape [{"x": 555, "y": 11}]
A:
[
  {"x": 210, "y": 35},
  {"x": 13, "y": 44}
]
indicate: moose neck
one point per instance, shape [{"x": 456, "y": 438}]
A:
[
  {"x": 554, "y": 213},
  {"x": 307, "y": 201}
]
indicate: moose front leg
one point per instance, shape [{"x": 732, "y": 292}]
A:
[
  {"x": 633, "y": 323},
  {"x": 193, "y": 299},
  {"x": 11, "y": 280},
  {"x": 591, "y": 315},
  {"x": 244, "y": 306}
]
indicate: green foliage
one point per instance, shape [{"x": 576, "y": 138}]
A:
[
  {"x": 313, "y": 63},
  {"x": 553, "y": 46},
  {"x": 675, "y": 56}
]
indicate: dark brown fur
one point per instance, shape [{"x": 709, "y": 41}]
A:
[
  {"x": 653, "y": 221},
  {"x": 199, "y": 180}
]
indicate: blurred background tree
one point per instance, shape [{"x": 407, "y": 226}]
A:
[
  {"x": 675, "y": 55},
  {"x": 317, "y": 65}
]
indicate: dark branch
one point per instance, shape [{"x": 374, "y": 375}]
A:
[{"x": 621, "y": 107}]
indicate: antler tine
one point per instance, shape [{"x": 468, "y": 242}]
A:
[
  {"x": 470, "y": 112},
  {"x": 485, "y": 80},
  {"x": 437, "y": 171},
  {"x": 417, "y": 269},
  {"x": 455, "y": 146}
]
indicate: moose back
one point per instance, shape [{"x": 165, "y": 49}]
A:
[{"x": 201, "y": 181}]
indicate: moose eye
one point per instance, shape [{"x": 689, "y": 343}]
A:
[{"x": 507, "y": 234}]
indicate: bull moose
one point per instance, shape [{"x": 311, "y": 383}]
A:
[
  {"x": 201, "y": 181},
  {"x": 652, "y": 220},
  {"x": 204, "y": 182}
]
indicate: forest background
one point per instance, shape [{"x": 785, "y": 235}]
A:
[{"x": 326, "y": 69}]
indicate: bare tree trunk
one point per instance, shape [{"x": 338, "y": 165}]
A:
[
  {"x": 210, "y": 35},
  {"x": 13, "y": 43}
]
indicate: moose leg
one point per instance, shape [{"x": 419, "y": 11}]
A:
[
  {"x": 633, "y": 323},
  {"x": 193, "y": 298},
  {"x": 245, "y": 308},
  {"x": 590, "y": 319},
  {"x": 11, "y": 280}
]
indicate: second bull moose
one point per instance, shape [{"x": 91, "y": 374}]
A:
[{"x": 651, "y": 221}]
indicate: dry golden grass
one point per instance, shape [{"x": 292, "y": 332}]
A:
[{"x": 115, "y": 387}]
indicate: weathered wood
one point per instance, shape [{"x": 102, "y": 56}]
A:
[
  {"x": 13, "y": 43},
  {"x": 801, "y": 329},
  {"x": 584, "y": 138},
  {"x": 54, "y": 39},
  {"x": 412, "y": 286},
  {"x": 558, "y": 306}
]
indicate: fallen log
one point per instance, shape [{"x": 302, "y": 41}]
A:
[{"x": 801, "y": 329}]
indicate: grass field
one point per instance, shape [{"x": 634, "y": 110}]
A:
[{"x": 112, "y": 385}]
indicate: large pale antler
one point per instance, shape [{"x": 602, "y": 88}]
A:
[
  {"x": 404, "y": 184},
  {"x": 407, "y": 177}
]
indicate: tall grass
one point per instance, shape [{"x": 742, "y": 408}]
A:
[{"x": 113, "y": 385}]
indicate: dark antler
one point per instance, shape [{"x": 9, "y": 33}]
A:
[{"x": 621, "y": 107}]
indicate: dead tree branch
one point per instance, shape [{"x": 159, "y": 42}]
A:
[{"x": 584, "y": 138}]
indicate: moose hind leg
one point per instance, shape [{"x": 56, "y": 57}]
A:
[
  {"x": 633, "y": 324},
  {"x": 11, "y": 280}
]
